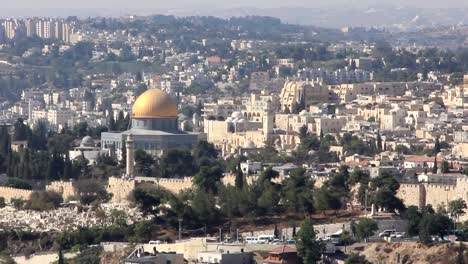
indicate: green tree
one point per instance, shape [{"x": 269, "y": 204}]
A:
[
  {"x": 457, "y": 208},
  {"x": 21, "y": 130},
  {"x": 268, "y": 175},
  {"x": 434, "y": 168},
  {"x": 118, "y": 217},
  {"x": 18, "y": 203},
  {"x": 461, "y": 253},
  {"x": 147, "y": 199},
  {"x": 384, "y": 189},
  {"x": 366, "y": 228},
  {"x": 437, "y": 146},
  {"x": 445, "y": 167},
  {"x": 143, "y": 231},
  {"x": 44, "y": 200},
  {"x": 379, "y": 141},
  {"x": 89, "y": 255},
  {"x": 18, "y": 183},
  {"x": 239, "y": 181},
  {"x": 140, "y": 88},
  {"x": 204, "y": 149},
  {"x": 208, "y": 178},
  {"x": 433, "y": 224},
  {"x": 92, "y": 191},
  {"x": 204, "y": 206},
  {"x": 61, "y": 260},
  {"x": 309, "y": 249},
  {"x": 177, "y": 163},
  {"x": 325, "y": 200},
  {"x": 303, "y": 131},
  {"x": 402, "y": 149},
  {"x": 143, "y": 163},
  {"x": 298, "y": 192},
  {"x": 413, "y": 216}
]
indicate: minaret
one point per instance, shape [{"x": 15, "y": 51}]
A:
[
  {"x": 267, "y": 123},
  {"x": 130, "y": 158}
]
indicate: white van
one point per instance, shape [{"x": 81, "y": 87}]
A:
[
  {"x": 251, "y": 240},
  {"x": 387, "y": 233},
  {"x": 265, "y": 239}
]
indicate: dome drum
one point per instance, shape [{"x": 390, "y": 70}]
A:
[{"x": 163, "y": 124}]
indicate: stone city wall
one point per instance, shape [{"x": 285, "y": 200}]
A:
[
  {"x": 411, "y": 194},
  {"x": 12, "y": 193},
  {"x": 66, "y": 189},
  {"x": 120, "y": 189},
  {"x": 434, "y": 194},
  {"x": 439, "y": 194}
]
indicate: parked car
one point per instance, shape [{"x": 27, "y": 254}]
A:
[
  {"x": 398, "y": 235},
  {"x": 276, "y": 242},
  {"x": 387, "y": 233},
  {"x": 265, "y": 239},
  {"x": 291, "y": 241},
  {"x": 252, "y": 240},
  {"x": 155, "y": 242}
]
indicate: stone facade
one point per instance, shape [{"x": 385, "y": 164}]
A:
[
  {"x": 434, "y": 194},
  {"x": 12, "y": 193},
  {"x": 120, "y": 189},
  {"x": 66, "y": 189}
]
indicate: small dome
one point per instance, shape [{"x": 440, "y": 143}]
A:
[
  {"x": 303, "y": 113},
  {"x": 237, "y": 115},
  {"x": 249, "y": 144},
  {"x": 229, "y": 120},
  {"x": 87, "y": 142},
  {"x": 242, "y": 120}
]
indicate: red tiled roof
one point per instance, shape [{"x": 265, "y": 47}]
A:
[
  {"x": 419, "y": 159},
  {"x": 284, "y": 249}
]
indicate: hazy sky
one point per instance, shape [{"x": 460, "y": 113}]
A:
[{"x": 156, "y": 4}]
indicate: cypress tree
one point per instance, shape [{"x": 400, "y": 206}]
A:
[
  {"x": 379, "y": 142},
  {"x": 437, "y": 146},
  {"x": 309, "y": 248},
  {"x": 239, "y": 177},
  {"x": 61, "y": 260},
  {"x": 112, "y": 126},
  {"x": 434, "y": 169},
  {"x": 67, "y": 168}
]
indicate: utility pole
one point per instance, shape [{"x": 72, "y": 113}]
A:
[
  {"x": 220, "y": 234},
  {"x": 180, "y": 229}
]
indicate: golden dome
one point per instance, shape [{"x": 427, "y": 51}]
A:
[{"x": 154, "y": 103}]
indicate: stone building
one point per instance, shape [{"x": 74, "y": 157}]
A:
[
  {"x": 154, "y": 126},
  {"x": 306, "y": 92}
]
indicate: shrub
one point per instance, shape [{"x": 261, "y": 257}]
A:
[{"x": 44, "y": 200}]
